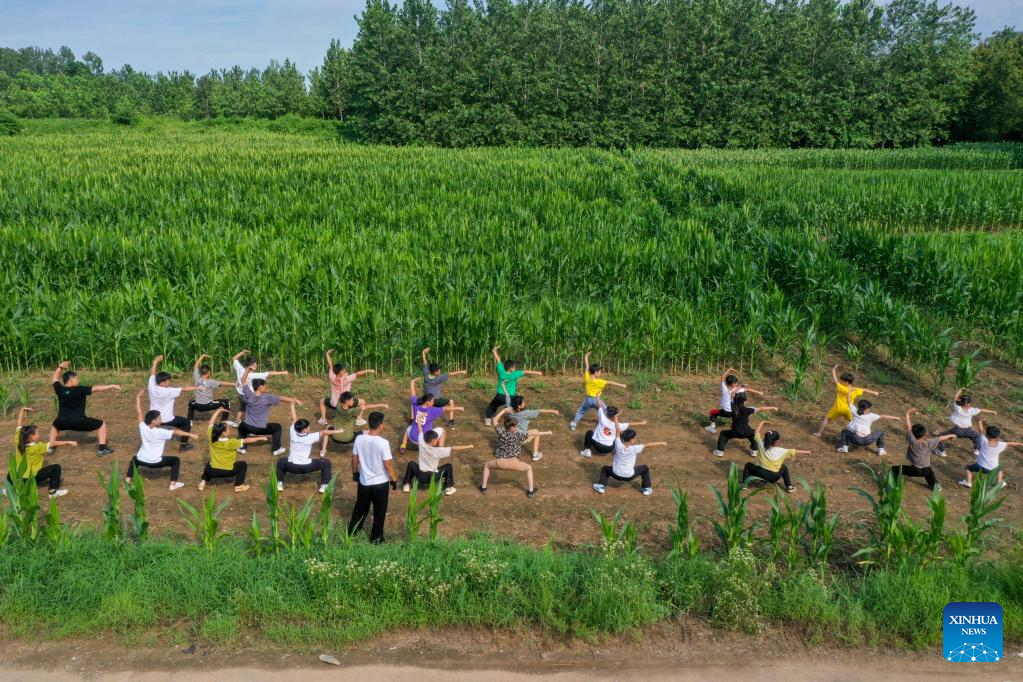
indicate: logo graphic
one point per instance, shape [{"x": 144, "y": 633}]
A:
[{"x": 972, "y": 632}]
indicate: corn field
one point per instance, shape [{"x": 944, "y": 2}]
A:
[{"x": 117, "y": 246}]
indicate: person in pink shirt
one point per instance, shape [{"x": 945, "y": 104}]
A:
[{"x": 341, "y": 381}]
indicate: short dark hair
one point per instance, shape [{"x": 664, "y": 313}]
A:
[
  {"x": 611, "y": 411},
  {"x": 992, "y": 431},
  {"x": 67, "y": 376},
  {"x": 965, "y": 399},
  {"x": 150, "y": 416},
  {"x": 739, "y": 400},
  {"x": 345, "y": 397},
  {"x": 594, "y": 367},
  {"x": 434, "y": 368},
  {"x": 770, "y": 438},
  {"x": 863, "y": 406},
  {"x": 509, "y": 423},
  {"x": 517, "y": 401},
  {"x": 256, "y": 383},
  {"x": 628, "y": 435},
  {"x": 511, "y": 364},
  {"x": 731, "y": 379},
  {"x": 217, "y": 431},
  {"x": 204, "y": 369},
  {"x": 375, "y": 420},
  {"x": 339, "y": 367},
  {"x": 847, "y": 377},
  {"x": 425, "y": 398},
  {"x": 430, "y": 436},
  {"x": 250, "y": 360},
  {"x": 918, "y": 430},
  {"x": 162, "y": 377},
  {"x": 301, "y": 425}
]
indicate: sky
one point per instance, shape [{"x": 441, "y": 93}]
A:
[{"x": 200, "y": 35}]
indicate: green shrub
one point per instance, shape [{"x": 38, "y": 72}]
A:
[{"x": 9, "y": 124}]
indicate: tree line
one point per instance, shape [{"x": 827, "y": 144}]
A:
[{"x": 689, "y": 73}]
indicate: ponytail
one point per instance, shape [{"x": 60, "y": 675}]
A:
[
  {"x": 217, "y": 431},
  {"x": 23, "y": 435}
]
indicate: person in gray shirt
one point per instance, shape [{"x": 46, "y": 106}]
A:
[
  {"x": 206, "y": 388},
  {"x": 515, "y": 408},
  {"x": 433, "y": 383},
  {"x": 257, "y": 412},
  {"x": 919, "y": 452}
]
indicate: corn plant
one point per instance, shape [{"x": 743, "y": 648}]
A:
[
  {"x": 205, "y": 522},
  {"x": 984, "y": 501},
  {"x": 138, "y": 520},
  {"x": 23, "y": 497},
  {"x": 113, "y": 526},
  {"x": 5, "y": 400},
  {"x": 256, "y": 535},
  {"x": 930, "y": 540},
  {"x": 783, "y": 527},
  {"x": 684, "y": 542},
  {"x": 433, "y": 499},
  {"x": 968, "y": 367},
  {"x": 55, "y": 531},
  {"x": 616, "y": 540},
  {"x": 323, "y": 521},
  {"x": 273, "y": 512},
  {"x": 301, "y": 525},
  {"x": 5, "y": 521},
  {"x": 819, "y": 529},
  {"x": 412, "y": 520},
  {"x": 732, "y": 529}
]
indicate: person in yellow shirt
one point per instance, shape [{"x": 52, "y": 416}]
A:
[
  {"x": 224, "y": 454},
  {"x": 770, "y": 465},
  {"x": 594, "y": 388},
  {"x": 845, "y": 394},
  {"x": 30, "y": 453}
]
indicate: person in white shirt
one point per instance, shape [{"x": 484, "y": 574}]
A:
[
  {"x": 373, "y": 468},
  {"x": 624, "y": 467},
  {"x": 730, "y": 387},
  {"x": 431, "y": 451},
  {"x": 161, "y": 399},
  {"x": 602, "y": 439},
  {"x": 987, "y": 456},
  {"x": 299, "y": 460},
  {"x": 150, "y": 454},
  {"x": 250, "y": 363},
  {"x": 962, "y": 416},
  {"x": 860, "y": 430}
]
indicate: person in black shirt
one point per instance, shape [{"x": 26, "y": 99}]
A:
[
  {"x": 740, "y": 415},
  {"x": 71, "y": 397}
]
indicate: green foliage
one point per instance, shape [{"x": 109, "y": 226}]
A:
[
  {"x": 984, "y": 501},
  {"x": 732, "y": 529},
  {"x": 9, "y": 123},
  {"x": 124, "y": 115},
  {"x": 783, "y": 528},
  {"x": 412, "y": 516},
  {"x": 113, "y": 526},
  {"x": 138, "y": 520},
  {"x": 819, "y": 535},
  {"x": 739, "y": 580},
  {"x": 994, "y": 109},
  {"x": 273, "y": 504},
  {"x": 23, "y": 500},
  {"x": 55, "y": 531},
  {"x": 967, "y": 369},
  {"x": 205, "y": 522},
  {"x": 618, "y": 537},
  {"x": 684, "y": 542},
  {"x": 323, "y": 521},
  {"x": 433, "y": 499},
  {"x": 301, "y": 524}
]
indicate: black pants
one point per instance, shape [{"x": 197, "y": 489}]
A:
[
  {"x": 593, "y": 445},
  {"x": 166, "y": 461},
  {"x": 194, "y": 407},
  {"x": 375, "y": 496},
  {"x": 321, "y": 465},
  {"x": 445, "y": 472},
  {"x": 639, "y": 470},
  {"x": 238, "y": 471},
  {"x": 729, "y": 434},
  {"x": 49, "y": 474},
  {"x": 179, "y": 423},
  {"x": 499, "y": 401},
  {"x": 909, "y": 470},
  {"x": 273, "y": 429},
  {"x": 752, "y": 469}
]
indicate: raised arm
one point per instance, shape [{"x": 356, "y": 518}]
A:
[
  {"x": 981, "y": 425},
  {"x": 330, "y": 358},
  {"x": 294, "y": 413},
  {"x": 216, "y": 415},
  {"x": 426, "y": 352},
  {"x": 724, "y": 375},
  {"x": 586, "y": 363},
  {"x": 238, "y": 356},
  {"x": 412, "y": 387},
  {"x": 834, "y": 375},
  {"x": 198, "y": 361},
  {"x": 909, "y": 413},
  {"x": 958, "y": 393},
  {"x": 245, "y": 376},
  {"x": 61, "y": 368},
  {"x": 138, "y": 404},
  {"x": 504, "y": 410},
  {"x": 497, "y": 358},
  {"x": 618, "y": 428},
  {"x": 760, "y": 428},
  {"x": 156, "y": 365},
  {"x": 21, "y": 415}
]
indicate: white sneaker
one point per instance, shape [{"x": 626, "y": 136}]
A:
[
  {"x": 280, "y": 487},
  {"x": 487, "y": 422},
  {"x": 937, "y": 487},
  {"x": 710, "y": 428},
  {"x": 585, "y": 453},
  {"x": 202, "y": 485},
  {"x": 537, "y": 456},
  {"x": 360, "y": 422},
  {"x": 449, "y": 491},
  {"x": 718, "y": 453},
  {"x": 752, "y": 453},
  {"x": 976, "y": 453},
  {"x": 406, "y": 488},
  {"x": 323, "y": 489},
  {"x": 842, "y": 448},
  {"x": 242, "y": 451},
  {"x": 321, "y": 421},
  {"x": 280, "y": 451},
  {"x": 965, "y": 483},
  {"x": 942, "y": 453},
  {"x": 648, "y": 491},
  {"x": 58, "y": 493},
  {"x": 128, "y": 480},
  {"x": 881, "y": 452},
  {"x": 232, "y": 424},
  {"x": 599, "y": 488},
  {"x": 176, "y": 485},
  {"x": 571, "y": 426}
]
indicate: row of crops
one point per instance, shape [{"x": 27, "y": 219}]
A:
[{"x": 118, "y": 245}]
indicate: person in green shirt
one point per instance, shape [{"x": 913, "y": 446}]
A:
[
  {"x": 346, "y": 417},
  {"x": 30, "y": 453},
  {"x": 508, "y": 375},
  {"x": 224, "y": 453}
]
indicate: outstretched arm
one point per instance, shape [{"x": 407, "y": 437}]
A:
[
  {"x": 1014, "y": 443},
  {"x": 767, "y": 409},
  {"x": 870, "y": 392},
  {"x": 456, "y": 373},
  {"x": 615, "y": 383},
  {"x": 461, "y": 447},
  {"x": 106, "y": 387},
  {"x": 655, "y": 444},
  {"x": 532, "y": 372},
  {"x": 375, "y": 406},
  {"x": 889, "y": 416},
  {"x": 156, "y": 365},
  {"x": 363, "y": 372},
  {"x": 61, "y": 368},
  {"x": 59, "y": 443},
  {"x": 185, "y": 434},
  {"x": 747, "y": 389},
  {"x": 548, "y": 412},
  {"x": 286, "y": 399},
  {"x": 986, "y": 411}
]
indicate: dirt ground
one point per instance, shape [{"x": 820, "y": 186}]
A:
[
  {"x": 561, "y": 513},
  {"x": 679, "y": 651}
]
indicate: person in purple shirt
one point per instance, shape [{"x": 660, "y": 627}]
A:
[{"x": 424, "y": 414}]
